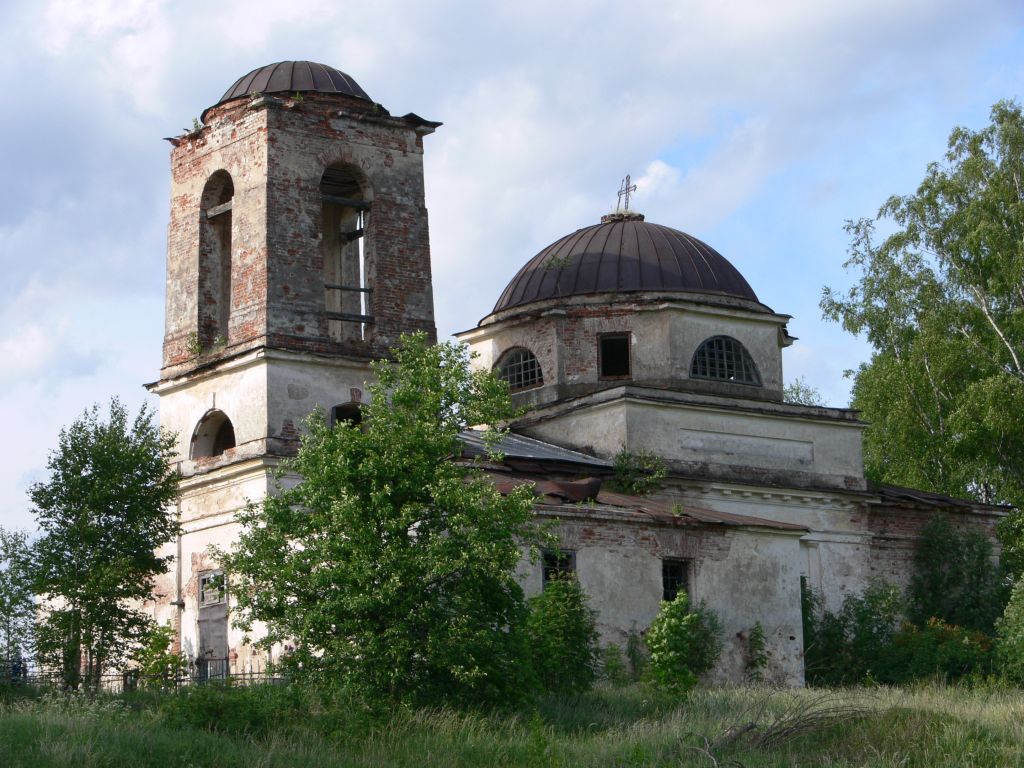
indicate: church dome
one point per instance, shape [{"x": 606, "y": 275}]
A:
[
  {"x": 624, "y": 254},
  {"x": 294, "y": 77}
]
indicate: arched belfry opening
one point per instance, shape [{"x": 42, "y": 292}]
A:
[
  {"x": 347, "y": 252},
  {"x": 215, "y": 259},
  {"x": 214, "y": 434}
]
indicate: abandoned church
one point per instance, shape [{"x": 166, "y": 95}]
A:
[{"x": 298, "y": 252}]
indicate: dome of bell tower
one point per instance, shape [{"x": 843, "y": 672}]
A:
[{"x": 294, "y": 77}]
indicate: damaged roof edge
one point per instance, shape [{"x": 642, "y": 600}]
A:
[{"x": 519, "y": 447}]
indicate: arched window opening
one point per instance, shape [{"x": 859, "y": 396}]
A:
[
  {"x": 521, "y": 369},
  {"x": 214, "y": 434},
  {"x": 351, "y": 413},
  {"x": 346, "y": 252},
  {"x": 724, "y": 359},
  {"x": 215, "y": 259}
]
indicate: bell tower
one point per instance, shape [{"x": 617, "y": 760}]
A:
[{"x": 298, "y": 252}]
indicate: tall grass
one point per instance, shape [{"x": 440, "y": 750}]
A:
[{"x": 268, "y": 726}]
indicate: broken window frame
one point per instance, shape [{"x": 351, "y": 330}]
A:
[
  {"x": 602, "y": 355},
  {"x": 212, "y": 581},
  {"x": 520, "y": 369}
]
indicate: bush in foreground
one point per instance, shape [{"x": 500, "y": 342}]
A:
[
  {"x": 683, "y": 644},
  {"x": 562, "y": 637},
  {"x": 1010, "y": 632}
]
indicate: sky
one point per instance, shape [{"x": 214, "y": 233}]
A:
[{"x": 758, "y": 127}]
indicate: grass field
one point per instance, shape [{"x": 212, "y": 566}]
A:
[{"x": 268, "y": 726}]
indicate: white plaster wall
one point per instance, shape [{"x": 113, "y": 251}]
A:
[
  {"x": 714, "y": 435},
  {"x": 664, "y": 339},
  {"x": 296, "y": 385},
  {"x": 209, "y": 506},
  {"x": 757, "y": 580},
  {"x": 690, "y": 327},
  {"x": 835, "y": 554},
  {"x": 240, "y": 391}
]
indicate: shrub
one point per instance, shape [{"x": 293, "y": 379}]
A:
[
  {"x": 637, "y": 473},
  {"x": 613, "y": 666},
  {"x": 845, "y": 647},
  {"x": 937, "y": 649},
  {"x": 955, "y": 578},
  {"x": 1010, "y": 633},
  {"x": 158, "y": 665},
  {"x": 757, "y": 654},
  {"x": 866, "y": 641},
  {"x": 683, "y": 644},
  {"x": 562, "y": 637},
  {"x": 252, "y": 710},
  {"x": 635, "y": 654}
]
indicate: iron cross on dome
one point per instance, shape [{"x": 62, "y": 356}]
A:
[{"x": 624, "y": 191}]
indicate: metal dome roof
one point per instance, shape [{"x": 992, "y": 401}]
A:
[
  {"x": 292, "y": 77},
  {"x": 620, "y": 255}
]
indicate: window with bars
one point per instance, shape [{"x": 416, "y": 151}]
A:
[
  {"x": 521, "y": 369},
  {"x": 725, "y": 359}
]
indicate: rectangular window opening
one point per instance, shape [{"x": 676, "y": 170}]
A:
[
  {"x": 675, "y": 578},
  {"x": 613, "y": 355},
  {"x": 212, "y": 588},
  {"x": 557, "y": 564}
]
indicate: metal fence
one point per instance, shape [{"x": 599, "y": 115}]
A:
[{"x": 30, "y": 672}]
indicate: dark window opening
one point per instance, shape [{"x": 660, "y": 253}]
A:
[
  {"x": 613, "y": 356},
  {"x": 349, "y": 413},
  {"x": 224, "y": 439},
  {"x": 725, "y": 359},
  {"x": 347, "y": 253},
  {"x": 675, "y": 578},
  {"x": 214, "y": 435},
  {"x": 557, "y": 564},
  {"x": 215, "y": 260},
  {"x": 521, "y": 369}
]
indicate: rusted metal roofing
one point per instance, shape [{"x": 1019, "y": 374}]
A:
[
  {"x": 294, "y": 77},
  {"x": 684, "y": 514},
  {"x": 520, "y": 447},
  {"x": 624, "y": 255},
  {"x": 899, "y": 494},
  {"x": 558, "y": 492}
]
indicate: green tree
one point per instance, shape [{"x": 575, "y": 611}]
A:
[
  {"x": 1010, "y": 637},
  {"x": 158, "y": 665},
  {"x": 102, "y": 515},
  {"x": 563, "y": 637},
  {"x": 684, "y": 643},
  {"x": 799, "y": 392},
  {"x": 17, "y": 604},
  {"x": 847, "y": 646},
  {"x": 954, "y": 579},
  {"x": 941, "y": 301},
  {"x": 385, "y": 559}
]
